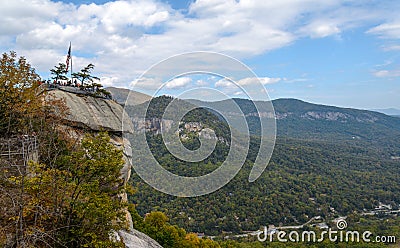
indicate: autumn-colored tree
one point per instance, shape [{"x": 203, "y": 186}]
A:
[
  {"x": 24, "y": 117},
  {"x": 75, "y": 204},
  {"x": 69, "y": 197},
  {"x": 156, "y": 225},
  {"x": 19, "y": 100},
  {"x": 193, "y": 241}
]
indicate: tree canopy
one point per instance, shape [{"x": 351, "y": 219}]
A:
[
  {"x": 59, "y": 72},
  {"x": 70, "y": 194},
  {"x": 19, "y": 100},
  {"x": 85, "y": 75}
]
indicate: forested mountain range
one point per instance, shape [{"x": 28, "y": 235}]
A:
[
  {"x": 328, "y": 162},
  {"x": 299, "y": 119}
]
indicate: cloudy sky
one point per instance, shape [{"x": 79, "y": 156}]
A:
[{"x": 343, "y": 53}]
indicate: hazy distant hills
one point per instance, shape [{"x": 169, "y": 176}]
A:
[
  {"x": 298, "y": 119},
  {"x": 389, "y": 111},
  {"x": 301, "y": 119},
  {"x": 120, "y": 95}
]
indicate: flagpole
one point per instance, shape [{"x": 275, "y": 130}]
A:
[{"x": 72, "y": 80}]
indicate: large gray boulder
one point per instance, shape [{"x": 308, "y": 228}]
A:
[
  {"x": 136, "y": 239},
  {"x": 94, "y": 113}
]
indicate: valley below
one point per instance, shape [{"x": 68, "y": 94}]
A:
[{"x": 328, "y": 162}]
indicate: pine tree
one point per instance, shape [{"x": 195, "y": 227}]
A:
[{"x": 59, "y": 72}]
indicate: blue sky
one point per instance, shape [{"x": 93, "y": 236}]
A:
[{"x": 343, "y": 53}]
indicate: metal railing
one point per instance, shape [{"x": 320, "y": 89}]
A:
[{"x": 18, "y": 150}]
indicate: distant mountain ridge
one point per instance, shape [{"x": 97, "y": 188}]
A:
[
  {"x": 298, "y": 119},
  {"x": 120, "y": 95},
  {"x": 388, "y": 111},
  {"x": 286, "y": 108}
]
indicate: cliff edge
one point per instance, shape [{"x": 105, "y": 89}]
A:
[{"x": 92, "y": 114}]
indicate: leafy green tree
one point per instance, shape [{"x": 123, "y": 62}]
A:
[
  {"x": 93, "y": 208},
  {"x": 77, "y": 203},
  {"x": 156, "y": 225}
]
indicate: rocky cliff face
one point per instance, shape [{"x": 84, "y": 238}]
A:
[
  {"x": 151, "y": 124},
  {"x": 154, "y": 125},
  {"x": 92, "y": 114}
]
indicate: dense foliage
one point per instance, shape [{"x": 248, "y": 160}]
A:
[
  {"x": 304, "y": 179},
  {"x": 322, "y": 171},
  {"x": 74, "y": 203},
  {"x": 19, "y": 102},
  {"x": 157, "y": 226},
  {"x": 64, "y": 192}
]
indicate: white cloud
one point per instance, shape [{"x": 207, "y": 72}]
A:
[
  {"x": 201, "y": 83},
  {"x": 152, "y": 84},
  {"x": 386, "y": 63},
  {"x": 118, "y": 15},
  {"x": 387, "y": 73},
  {"x": 262, "y": 80},
  {"x": 123, "y": 38},
  {"x": 20, "y": 16},
  {"x": 320, "y": 29},
  {"x": 387, "y": 30},
  {"x": 252, "y": 85},
  {"x": 177, "y": 83},
  {"x": 109, "y": 81},
  {"x": 226, "y": 83},
  {"x": 391, "y": 48},
  {"x": 238, "y": 93},
  {"x": 144, "y": 83},
  {"x": 295, "y": 80}
]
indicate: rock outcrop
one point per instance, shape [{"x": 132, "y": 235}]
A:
[
  {"x": 150, "y": 125},
  {"x": 87, "y": 113},
  {"x": 136, "y": 239},
  {"x": 94, "y": 113}
]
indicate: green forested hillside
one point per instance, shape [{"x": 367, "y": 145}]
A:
[
  {"x": 325, "y": 176},
  {"x": 304, "y": 179}
]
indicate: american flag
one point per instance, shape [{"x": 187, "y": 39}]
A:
[{"x": 68, "y": 56}]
